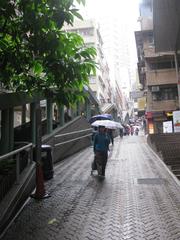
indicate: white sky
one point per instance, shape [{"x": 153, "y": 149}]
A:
[{"x": 126, "y": 10}]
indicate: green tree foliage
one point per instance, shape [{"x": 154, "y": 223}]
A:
[{"x": 36, "y": 55}]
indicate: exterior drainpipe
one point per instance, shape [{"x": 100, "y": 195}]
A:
[{"x": 177, "y": 75}]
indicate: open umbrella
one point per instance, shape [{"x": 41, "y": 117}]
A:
[
  {"x": 119, "y": 125},
  {"x": 106, "y": 123},
  {"x": 101, "y": 117}
]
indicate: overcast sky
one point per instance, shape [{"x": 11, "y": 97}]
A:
[
  {"x": 126, "y": 10},
  {"x": 125, "y": 13}
]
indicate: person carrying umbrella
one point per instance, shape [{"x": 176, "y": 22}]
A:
[{"x": 101, "y": 147}]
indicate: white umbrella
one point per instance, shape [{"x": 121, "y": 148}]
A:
[
  {"x": 106, "y": 123},
  {"x": 119, "y": 125}
]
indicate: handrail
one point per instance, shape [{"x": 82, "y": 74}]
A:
[
  {"x": 74, "y": 139},
  {"x": 15, "y": 151},
  {"x": 65, "y": 134},
  {"x": 16, "y": 156}
]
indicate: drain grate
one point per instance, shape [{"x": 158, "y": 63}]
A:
[{"x": 150, "y": 181}]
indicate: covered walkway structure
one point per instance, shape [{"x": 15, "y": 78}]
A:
[{"x": 138, "y": 199}]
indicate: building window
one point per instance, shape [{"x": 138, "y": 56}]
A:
[
  {"x": 165, "y": 94},
  {"x": 162, "y": 65},
  {"x": 151, "y": 39},
  {"x": 92, "y": 80},
  {"x": 90, "y": 44},
  {"x": 86, "y": 31},
  {"x": 102, "y": 100}
]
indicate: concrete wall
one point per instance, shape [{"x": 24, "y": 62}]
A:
[
  {"x": 149, "y": 50},
  {"x": 168, "y": 105},
  {"x": 67, "y": 149},
  {"x": 147, "y": 23},
  {"x": 161, "y": 77}
]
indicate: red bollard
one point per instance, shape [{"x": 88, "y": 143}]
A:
[{"x": 40, "y": 192}]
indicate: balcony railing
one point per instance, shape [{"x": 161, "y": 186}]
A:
[
  {"x": 161, "y": 77},
  {"x": 164, "y": 105},
  {"x": 149, "y": 51}
]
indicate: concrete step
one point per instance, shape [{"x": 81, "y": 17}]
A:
[
  {"x": 178, "y": 176},
  {"x": 172, "y": 161},
  {"x": 174, "y": 167},
  {"x": 176, "y": 172}
]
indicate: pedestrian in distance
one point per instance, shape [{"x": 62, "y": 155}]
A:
[
  {"x": 101, "y": 147},
  {"x": 137, "y": 131},
  {"x": 132, "y": 131},
  {"x": 127, "y": 130},
  {"x": 121, "y": 132}
]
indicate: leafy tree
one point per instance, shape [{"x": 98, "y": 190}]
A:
[{"x": 36, "y": 55}]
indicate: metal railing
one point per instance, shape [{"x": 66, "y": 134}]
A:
[
  {"x": 73, "y": 133},
  {"x": 15, "y": 155}
]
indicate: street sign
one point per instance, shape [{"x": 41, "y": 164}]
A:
[{"x": 167, "y": 127}]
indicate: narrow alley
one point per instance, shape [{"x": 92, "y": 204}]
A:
[{"x": 138, "y": 199}]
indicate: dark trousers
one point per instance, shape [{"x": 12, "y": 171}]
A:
[
  {"x": 111, "y": 137},
  {"x": 101, "y": 161}
]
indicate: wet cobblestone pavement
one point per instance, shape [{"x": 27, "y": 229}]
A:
[{"x": 138, "y": 199}]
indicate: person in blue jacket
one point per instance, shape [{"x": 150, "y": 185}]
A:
[{"x": 101, "y": 147}]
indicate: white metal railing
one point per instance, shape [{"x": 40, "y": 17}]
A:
[
  {"x": 66, "y": 134},
  {"x": 16, "y": 156},
  {"x": 74, "y": 139}
]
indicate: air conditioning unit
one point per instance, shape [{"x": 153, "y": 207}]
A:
[{"x": 155, "y": 89}]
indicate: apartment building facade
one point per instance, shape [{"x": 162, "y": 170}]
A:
[
  {"x": 100, "y": 84},
  {"x": 157, "y": 73}
]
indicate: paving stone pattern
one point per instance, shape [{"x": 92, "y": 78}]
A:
[{"x": 138, "y": 199}]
